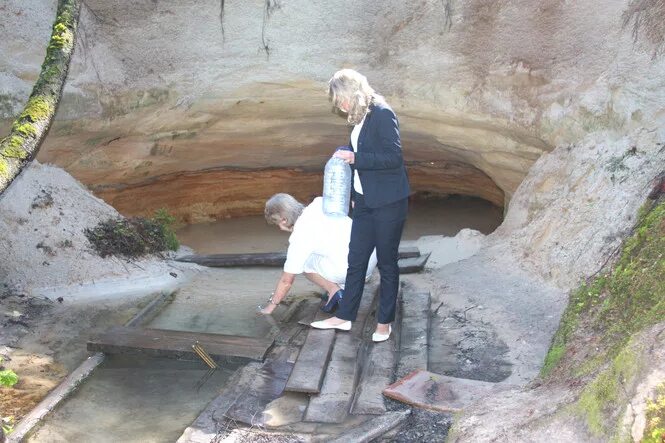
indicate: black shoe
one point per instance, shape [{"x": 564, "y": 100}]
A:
[{"x": 334, "y": 301}]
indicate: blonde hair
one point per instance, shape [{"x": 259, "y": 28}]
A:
[
  {"x": 352, "y": 86},
  {"x": 283, "y": 206}
]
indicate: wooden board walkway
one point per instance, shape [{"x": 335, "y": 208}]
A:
[
  {"x": 165, "y": 343},
  {"x": 332, "y": 404},
  {"x": 414, "y": 331},
  {"x": 310, "y": 367},
  {"x": 267, "y": 385},
  {"x": 376, "y": 375}
]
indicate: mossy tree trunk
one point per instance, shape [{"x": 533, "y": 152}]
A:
[{"x": 31, "y": 126}]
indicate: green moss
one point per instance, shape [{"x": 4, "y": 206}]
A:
[
  {"x": 601, "y": 395},
  {"x": 25, "y": 129},
  {"x": 654, "y": 431},
  {"x": 4, "y": 167},
  {"x": 594, "y": 346},
  {"x": 552, "y": 358},
  {"x": 13, "y": 148},
  {"x": 62, "y": 35},
  {"x": 38, "y": 108},
  {"x": 620, "y": 302}
]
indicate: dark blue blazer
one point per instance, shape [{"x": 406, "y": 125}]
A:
[{"x": 378, "y": 159}]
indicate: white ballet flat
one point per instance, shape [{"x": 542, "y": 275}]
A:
[
  {"x": 346, "y": 326},
  {"x": 378, "y": 338}
]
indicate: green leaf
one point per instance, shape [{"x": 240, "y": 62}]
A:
[{"x": 8, "y": 378}]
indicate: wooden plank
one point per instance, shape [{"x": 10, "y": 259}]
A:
[
  {"x": 440, "y": 393},
  {"x": 414, "y": 331},
  {"x": 151, "y": 309},
  {"x": 374, "y": 428},
  {"x": 262, "y": 258},
  {"x": 234, "y": 260},
  {"x": 268, "y": 385},
  {"x": 412, "y": 265},
  {"x": 408, "y": 251},
  {"x": 376, "y": 375},
  {"x": 332, "y": 404},
  {"x": 338, "y": 388},
  {"x": 310, "y": 367},
  {"x": 165, "y": 343},
  {"x": 205, "y": 427}
]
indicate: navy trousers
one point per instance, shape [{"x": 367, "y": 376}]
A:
[{"x": 379, "y": 228}]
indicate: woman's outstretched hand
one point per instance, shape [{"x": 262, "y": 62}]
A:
[
  {"x": 347, "y": 156},
  {"x": 268, "y": 309}
]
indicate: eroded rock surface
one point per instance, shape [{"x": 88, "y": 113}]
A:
[{"x": 158, "y": 90}]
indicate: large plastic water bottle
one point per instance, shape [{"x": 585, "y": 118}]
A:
[{"x": 337, "y": 186}]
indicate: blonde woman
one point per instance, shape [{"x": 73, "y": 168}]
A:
[
  {"x": 379, "y": 194},
  {"x": 318, "y": 248}
]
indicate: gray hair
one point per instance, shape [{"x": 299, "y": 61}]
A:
[
  {"x": 352, "y": 86},
  {"x": 283, "y": 206}
]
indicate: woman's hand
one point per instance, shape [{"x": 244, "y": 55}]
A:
[
  {"x": 347, "y": 156},
  {"x": 268, "y": 309}
]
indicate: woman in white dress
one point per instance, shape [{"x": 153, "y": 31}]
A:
[{"x": 318, "y": 248}]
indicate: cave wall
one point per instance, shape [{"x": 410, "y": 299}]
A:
[{"x": 161, "y": 90}]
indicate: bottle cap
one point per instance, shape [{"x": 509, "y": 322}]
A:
[{"x": 343, "y": 148}]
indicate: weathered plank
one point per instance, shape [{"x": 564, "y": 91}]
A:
[
  {"x": 413, "y": 264},
  {"x": 268, "y": 385},
  {"x": 408, "y": 251},
  {"x": 312, "y": 362},
  {"x": 376, "y": 375},
  {"x": 165, "y": 343},
  {"x": 234, "y": 260},
  {"x": 414, "y": 331},
  {"x": 263, "y": 258},
  {"x": 374, "y": 428},
  {"x": 333, "y": 402},
  {"x": 204, "y": 429},
  {"x": 438, "y": 392}
]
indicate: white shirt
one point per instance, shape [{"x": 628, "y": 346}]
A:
[
  {"x": 357, "y": 186},
  {"x": 317, "y": 233}
]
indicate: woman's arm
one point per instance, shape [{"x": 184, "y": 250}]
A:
[
  {"x": 389, "y": 154},
  {"x": 283, "y": 286}
]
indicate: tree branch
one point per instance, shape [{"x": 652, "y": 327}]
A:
[{"x": 31, "y": 126}]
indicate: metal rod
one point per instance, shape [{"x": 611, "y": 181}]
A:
[{"x": 204, "y": 355}]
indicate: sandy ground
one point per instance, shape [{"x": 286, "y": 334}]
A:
[{"x": 42, "y": 341}]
